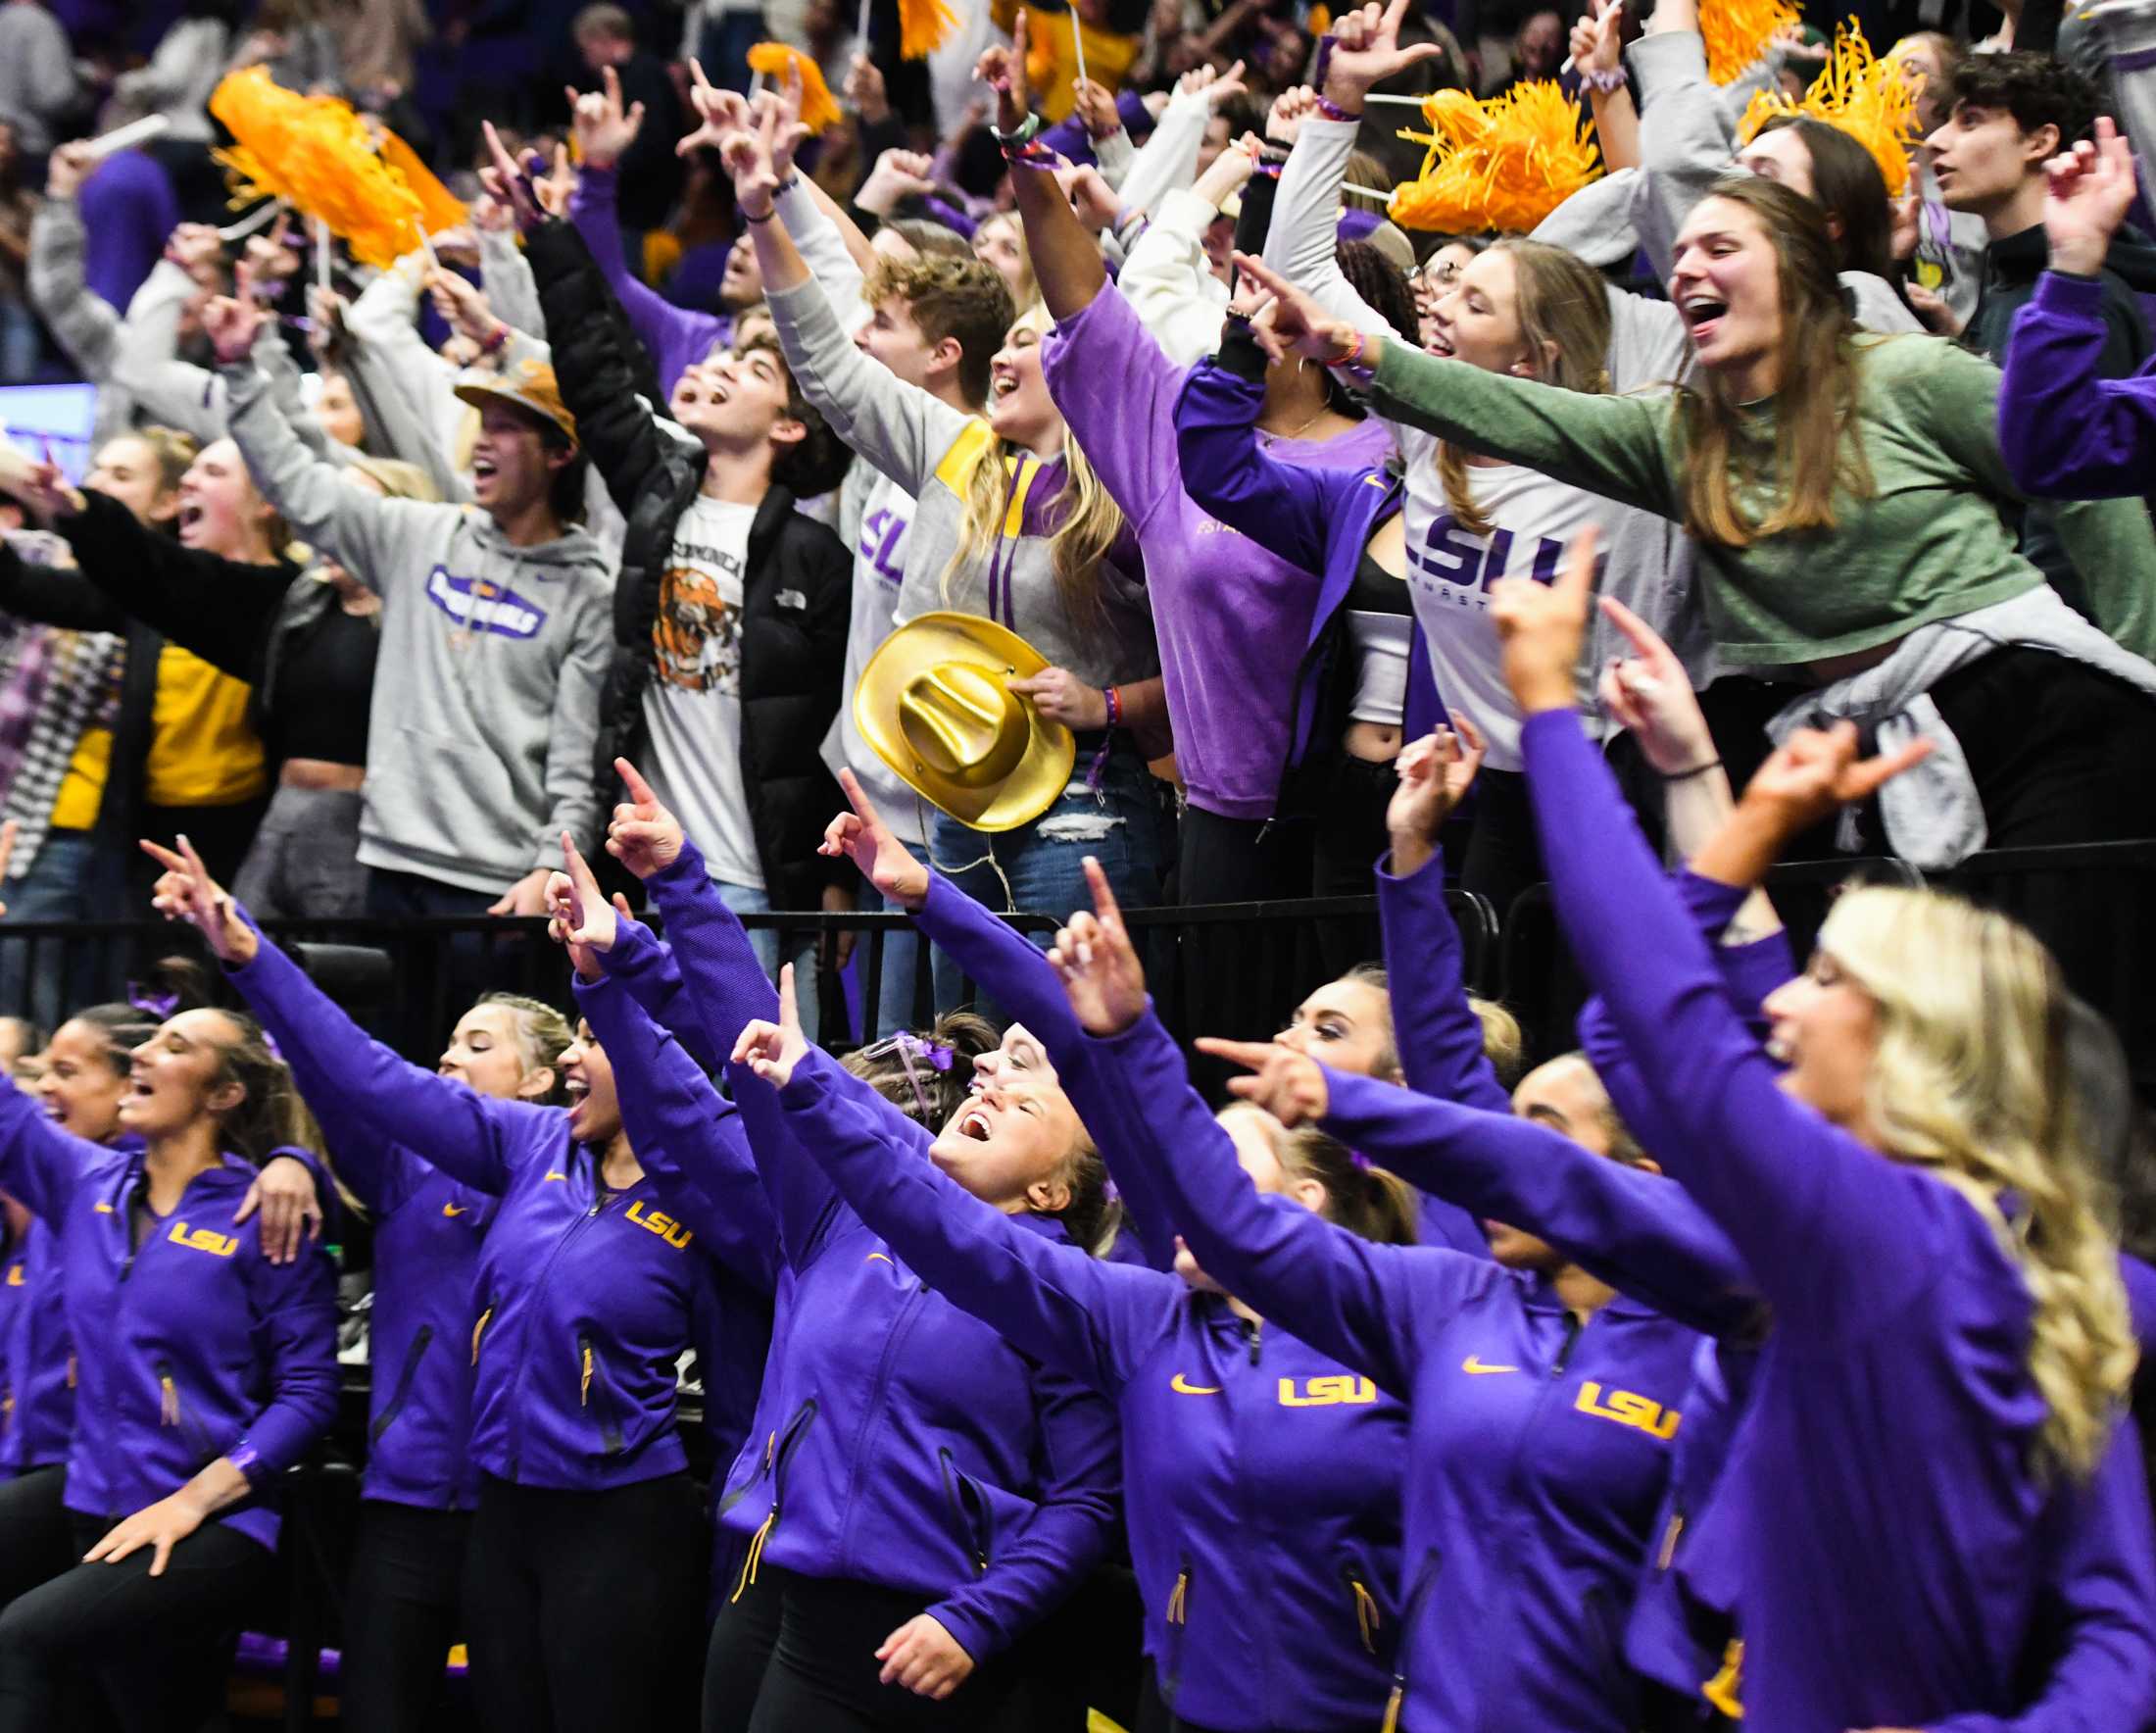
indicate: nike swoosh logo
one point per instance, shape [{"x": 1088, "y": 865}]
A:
[
  {"x": 1475, "y": 1363},
  {"x": 453, "y": 1208},
  {"x": 1183, "y": 1387}
]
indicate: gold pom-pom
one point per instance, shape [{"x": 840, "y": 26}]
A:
[
  {"x": 1738, "y": 32},
  {"x": 922, "y": 26},
  {"x": 1872, "y": 100},
  {"x": 819, "y": 108},
  {"x": 318, "y": 156},
  {"x": 1502, "y": 162}
]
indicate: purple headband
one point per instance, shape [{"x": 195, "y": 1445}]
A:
[{"x": 151, "y": 1003}]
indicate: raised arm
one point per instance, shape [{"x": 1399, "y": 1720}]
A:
[
  {"x": 39, "y": 1164},
  {"x": 87, "y": 324},
  {"x": 676, "y": 337},
  {"x": 1016, "y": 975},
  {"x": 1436, "y": 1032},
  {"x": 1685, "y": 143},
  {"x": 222, "y": 610},
  {"x": 1835, "y": 1234},
  {"x": 361, "y": 1082},
  {"x": 1089, "y": 1319},
  {"x": 1630, "y": 1228},
  {"x": 685, "y": 1136}
]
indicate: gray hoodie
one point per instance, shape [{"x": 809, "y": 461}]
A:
[{"x": 487, "y": 693}]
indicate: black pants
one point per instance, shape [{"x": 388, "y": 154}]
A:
[
  {"x": 36, "y": 1532},
  {"x": 1504, "y": 856},
  {"x": 800, "y": 1651},
  {"x": 1224, "y": 984},
  {"x": 161, "y": 1646},
  {"x": 1153, "y": 1713},
  {"x": 582, "y": 1609},
  {"x": 403, "y": 1613}
]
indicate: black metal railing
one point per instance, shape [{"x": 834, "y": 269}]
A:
[{"x": 408, "y": 980}]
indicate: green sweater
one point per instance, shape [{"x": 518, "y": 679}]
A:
[{"x": 1929, "y": 543}]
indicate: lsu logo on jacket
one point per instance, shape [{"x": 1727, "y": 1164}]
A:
[
  {"x": 1627, "y": 1408},
  {"x": 657, "y": 1221},
  {"x": 202, "y": 1238}
]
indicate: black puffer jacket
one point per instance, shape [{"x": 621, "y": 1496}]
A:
[{"x": 795, "y": 591}]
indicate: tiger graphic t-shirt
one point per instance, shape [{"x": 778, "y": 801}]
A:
[{"x": 692, "y": 704}]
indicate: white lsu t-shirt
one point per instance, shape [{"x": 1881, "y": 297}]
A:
[
  {"x": 692, "y": 704},
  {"x": 879, "y": 567},
  {"x": 1449, "y": 572}
]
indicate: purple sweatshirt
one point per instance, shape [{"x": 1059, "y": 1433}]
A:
[
  {"x": 584, "y": 1302},
  {"x": 193, "y": 1346},
  {"x": 677, "y": 337},
  {"x": 2066, "y": 432},
  {"x": 1318, "y": 517},
  {"x": 1234, "y": 619},
  {"x": 2084, "y": 1667},
  {"x": 1262, "y": 1478},
  {"x": 1539, "y": 1445},
  {"x": 36, "y": 1357},
  {"x": 1883, "y": 1465}
]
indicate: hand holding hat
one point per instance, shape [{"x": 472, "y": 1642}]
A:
[{"x": 942, "y": 702}]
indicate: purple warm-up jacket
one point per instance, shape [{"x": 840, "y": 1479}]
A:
[
  {"x": 2065, "y": 431},
  {"x": 1538, "y": 1448},
  {"x": 897, "y": 1441},
  {"x": 584, "y": 1302},
  {"x": 1262, "y": 1477},
  {"x": 1890, "y": 1515},
  {"x": 2087, "y": 1663},
  {"x": 190, "y": 1347}
]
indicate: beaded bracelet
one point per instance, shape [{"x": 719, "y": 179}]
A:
[
  {"x": 1606, "y": 82},
  {"x": 1330, "y": 110}
]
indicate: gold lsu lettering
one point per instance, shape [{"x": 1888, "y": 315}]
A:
[
  {"x": 201, "y": 1239},
  {"x": 1331, "y": 1390},
  {"x": 1627, "y": 1409},
  {"x": 657, "y": 1221}
]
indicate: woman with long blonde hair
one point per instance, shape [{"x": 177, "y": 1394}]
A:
[
  {"x": 1010, "y": 521},
  {"x": 1902, "y": 1168}
]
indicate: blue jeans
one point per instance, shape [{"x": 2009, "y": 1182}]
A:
[
  {"x": 1126, "y": 823},
  {"x": 65, "y": 882},
  {"x": 801, "y": 950}
]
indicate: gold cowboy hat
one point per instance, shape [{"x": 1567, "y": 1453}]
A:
[
  {"x": 530, "y": 385},
  {"x": 934, "y": 702}
]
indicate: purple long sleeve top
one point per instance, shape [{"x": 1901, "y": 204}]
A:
[
  {"x": 2066, "y": 432},
  {"x": 678, "y": 337},
  {"x": 1233, "y": 618},
  {"x": 1885, "y": 1464}
]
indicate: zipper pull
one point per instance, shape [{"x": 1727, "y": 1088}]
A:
[
  {"x": 1669, "y": 1540},
  {"x": 1178, "y": 1601},
  {"x": 1391, "y": 1723},
  {"x": 478, "y": 1330},
  {"x": 583, "y": 1394},
  {"x": 1366, "y": 1614},
  {"x": 167, "y": 1408}
]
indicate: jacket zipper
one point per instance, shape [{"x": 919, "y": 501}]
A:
[
  {"x": 610, "y": 1434},
  {"x": 955, "y": 1491},
  {"x": 1178, "y": 1622},
  {"x": 1368, "y": 1619},
  {"x": 1424, "y": 1577},
  {"x": 776, "y": 1453},
  {"x": 387, "y": 1417},
  {"x": 597, "y": 1209}
]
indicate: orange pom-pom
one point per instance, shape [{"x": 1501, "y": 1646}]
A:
[
  {"x": 1872, "y": 100},
  {"x": 1503, "y": 163},
  {"x": 318, "y": 156},
  {"x": 1738, "y": 32},
  {"x": 819, "y": 108},
  {"x": 922, "y": 26}
]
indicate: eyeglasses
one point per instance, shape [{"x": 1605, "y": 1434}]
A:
[{"x": 1436, "y": 272}]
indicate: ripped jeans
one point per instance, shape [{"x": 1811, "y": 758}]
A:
[{"x": 1127, "y": 823}]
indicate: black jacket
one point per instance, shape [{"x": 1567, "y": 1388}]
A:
[{"x": 796, "y": 589}]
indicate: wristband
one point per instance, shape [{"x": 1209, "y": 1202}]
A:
[
  {"x": 1713, "y": 763},
  {"x": 766, "y": 217},
  {"x": 1606, "y": 82},
  {"x": 1022, "y": 134},
  {"x": 1115, "y": 697},
  {"x": 1031, "y": 153},
  {"x": 1330, "y": 110}
]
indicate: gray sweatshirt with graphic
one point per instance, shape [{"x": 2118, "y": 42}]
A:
[{"x": 486, "y": 692}]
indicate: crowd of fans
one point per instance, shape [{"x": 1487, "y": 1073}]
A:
[{"x": 971, "y": 461}]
